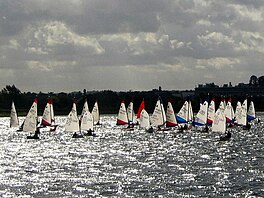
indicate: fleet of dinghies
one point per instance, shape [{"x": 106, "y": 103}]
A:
[{"x": 160, "y": 120}]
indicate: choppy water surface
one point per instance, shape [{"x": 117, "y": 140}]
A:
[{"x": 120, "y": 163}]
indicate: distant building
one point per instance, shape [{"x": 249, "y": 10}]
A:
[{"x": 255, "y": 87}]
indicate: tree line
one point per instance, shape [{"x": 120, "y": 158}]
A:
[{"x": 109, "y": 101}]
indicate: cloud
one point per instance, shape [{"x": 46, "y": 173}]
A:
[{"x": 76, "y": 44}]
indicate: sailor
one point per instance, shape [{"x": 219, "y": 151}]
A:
[
  {"x": 35, "y": 136},
  {"x": 90, "y": 132},
  {"x": 226, "y": 137},
  {"x": 75, "y": 135}
]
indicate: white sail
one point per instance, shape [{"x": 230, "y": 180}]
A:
[
  {"x": 201, "y": 117},
  {"x": 95, "y": 113},
  {"x": 241, "y": 113},
  {"x": 211, "y": 112},
  {"x": 85, "y": 109},
  {"x": 219, "y": 123},
  {"x": 182, "y": 116},
  {"x": 13, "y": 116},
  {"x": 87, "y": 121},
  {"x": 170, "y": 116},
  {"x": 251, "y": 114},
  {"x": 158, "y": 117},
  {"x": 122, "y": 115},
  {"x": 30, "y": 123},
  {"x": 190, "y": 112},
  {"x": 144, "y": 120},
  {"x": 72, "y": 123},
  {"x": 52, "y": 112},
  {"x": 222, "y": 105},
  {"x": 130, "y": 113},
  {"x": 229, "y": 112},
  {"x": 46, "y": 117}
]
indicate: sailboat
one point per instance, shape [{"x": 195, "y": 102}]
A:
[
  {"x": 182, "y": 116},
  {"x": 201, "y": 117},
  {"x": 185, "y": 116},
  {"x": 122, "y": 118},
  {"x": 211, "y": 112},
  {"x": 48, "y": 120},
  {"x": 13, "y": 116},
  {"x": 222, "y": 104},
  {"x": 95, "y": 114},
  {"x": 141, "y": 107},
  {"x": 144, "y": 121},
  {"x": 52, "y": 114},
  {"x": 158, "y": 117},
  {"x": 132, "y": 119},
  {"x": 72, "y": 123},
  {"x": 251, "y": 114},
  {"x": 85, "y": 109},
  {"x": 190, "y": 114},
  {"x": 31, "y": 121},
  {"x": 86, "y": 120},
  {"x": 170, "y": 116},
  {"x": 87, "y": 124},
  {"x": 241, "y": 113},
  {"x": 219, "y": 125},
  {"x": 229, "y": 112}
]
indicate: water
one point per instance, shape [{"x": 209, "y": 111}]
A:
[{"x": 120, "y": 163}]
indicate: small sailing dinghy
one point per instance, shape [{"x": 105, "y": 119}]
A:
[
  {"x": 86, "y": 121},
  {"x": 170, "y": 116},
  {"x": 141, "y": 107},
  {"x": 31, "y": 121},
  {"x": 144, "y": 121},
  {"x": 241, "y": 115},
  {"x": 48, "y": 119},
  {"x": 158, "y": 118},
  {"x": 96, "y": 114},
  {"x": 84, "y": 110},
  {"x": 13, "y": 116},
  {"x": 132, "y": 118},
  {"x": 251, "y": 114},
  {"x": 185, "y": 116},
  {"x": 201, "y": 117},
  {"x": 87, "y": 124},
  {"x": 122, "y": 118},
  {"x": 219, "y": 125},
  {"x": 229, "y": 113},
  {"x": 211, "y": 112},
  {"x": 72, "y": 123}
]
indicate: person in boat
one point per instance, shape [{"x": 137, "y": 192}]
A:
[
  {"x": 247, "y": 127},
  {"x": 181, "y": 129},
  {"x": 150, "y": 129},
  {"x": 36, "y": 135},
  {"x": 76, "y": 135},
  {"x": 226, "y": 137},
  {"x": 89, "y": 133},
  {"x": 206, "y": 128},
  {"x": 54, "y": 128},
  {"x": 130, "y": 125}
]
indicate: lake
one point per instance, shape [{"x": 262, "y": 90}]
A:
[{"x": 120, "y": 163}]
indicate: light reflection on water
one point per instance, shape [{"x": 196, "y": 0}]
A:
[{"x": 120, "y": 163}]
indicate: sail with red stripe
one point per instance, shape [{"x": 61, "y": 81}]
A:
[
  {"x": 141, "y": 107},
  {"x": 170, "y": 116},
  {"x": 122, "y": 118},
  {"x": 211, "y": 112}
]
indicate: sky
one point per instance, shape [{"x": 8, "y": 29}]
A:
[{"x": 70, "y": 45}]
